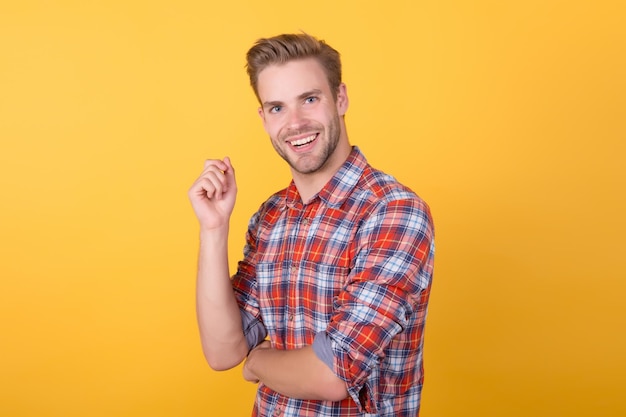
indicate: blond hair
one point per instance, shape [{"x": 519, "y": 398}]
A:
[{"x": 281, "y": 49}]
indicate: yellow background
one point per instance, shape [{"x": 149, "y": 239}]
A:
[{"x": 508, "y": 117}]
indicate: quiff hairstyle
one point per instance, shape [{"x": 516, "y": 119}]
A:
[{"x": 281, "y": 49}]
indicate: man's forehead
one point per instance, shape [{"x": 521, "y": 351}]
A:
[{"x": 291, "y": 79}]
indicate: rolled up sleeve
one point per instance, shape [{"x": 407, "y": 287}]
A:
[
  {"x": 245, "y": 288},
  {"x": 382, "y": 297}
]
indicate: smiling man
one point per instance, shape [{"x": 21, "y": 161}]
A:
[{"x": 328, "y": 305}]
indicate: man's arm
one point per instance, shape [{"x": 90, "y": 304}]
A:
[
  {"x": 213, "y": 197},
  {"x": 219, "y": 319},
  {"x": 294, "y": 373}
]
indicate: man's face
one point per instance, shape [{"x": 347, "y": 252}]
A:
[{"x": 301, "y": 116}]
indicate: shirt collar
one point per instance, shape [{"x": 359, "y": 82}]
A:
[{"x": 339, "y": 186}]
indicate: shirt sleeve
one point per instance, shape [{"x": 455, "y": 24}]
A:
[
  {"x": 245, "y": 288},
  {"x": 323, "y": 348},
  {"x": 253, "y": 329},
  {"x": 382, "y": 297}
]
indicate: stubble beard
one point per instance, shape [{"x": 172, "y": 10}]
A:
[{"x": 311, "y": 163}]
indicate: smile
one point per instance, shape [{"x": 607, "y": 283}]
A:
[{"x": 304, "y": 141}]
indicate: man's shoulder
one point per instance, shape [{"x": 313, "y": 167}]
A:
[{"x": 385, "y": 187}]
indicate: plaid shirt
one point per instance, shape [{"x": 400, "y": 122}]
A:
[{"x": 355, "y": 265}]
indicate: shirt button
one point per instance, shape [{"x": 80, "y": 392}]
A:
[
  {"x": 278, "y": 412},
  {"x": 290, "y": 317},
  {"x": 293, "y": 269},
  {"x": 305, "y": 221}
]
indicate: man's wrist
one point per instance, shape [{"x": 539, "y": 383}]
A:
[{"x": 217, "y": 234}]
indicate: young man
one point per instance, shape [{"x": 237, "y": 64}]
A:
[{"x": 337, "y": 267}]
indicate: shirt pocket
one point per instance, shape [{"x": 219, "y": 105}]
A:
[{"x": 318, "y": 292}]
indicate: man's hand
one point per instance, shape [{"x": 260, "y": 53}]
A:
[
  {"x": 248, "y": 375},
  {"x": 213, "y": 194},
  {"x": 296, "y": 373}
]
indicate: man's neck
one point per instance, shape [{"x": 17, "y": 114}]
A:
[{"x": 309, "y": 185}]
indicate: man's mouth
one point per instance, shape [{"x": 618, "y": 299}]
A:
[{"x": 303, "y": 141}]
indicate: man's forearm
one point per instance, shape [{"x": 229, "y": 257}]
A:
[
  {"x": 219, "y": 319},
  {"x": 295, "y": 373}
]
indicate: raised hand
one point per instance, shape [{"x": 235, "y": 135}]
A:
[{"x": 213, "y": 194}]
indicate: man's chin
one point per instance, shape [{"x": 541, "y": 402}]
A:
[{"x": 306, "y": 165}]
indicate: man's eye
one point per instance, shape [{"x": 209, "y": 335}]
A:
[
  {"x": 310, "y": 99},
  {"x": 275, "y": 109}
]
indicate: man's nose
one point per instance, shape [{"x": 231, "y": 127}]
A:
[{"x": 296, "y": 117}]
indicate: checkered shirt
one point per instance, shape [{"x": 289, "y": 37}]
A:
[{"x": 356, "y": 263}]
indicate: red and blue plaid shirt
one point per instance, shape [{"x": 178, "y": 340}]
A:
[{"x": 353, "y": 267}]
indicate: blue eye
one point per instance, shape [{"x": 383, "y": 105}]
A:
[
  {"x": 310, "y": 99},
  {"x": 275, "y": 109}
]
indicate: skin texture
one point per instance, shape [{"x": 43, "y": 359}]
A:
[
  {"x": 297, "y": 107},
  {"x": 296, "y": 103},
  {"x": 213, "y": 197}
]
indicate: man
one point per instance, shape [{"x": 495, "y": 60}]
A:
[{"x": 337, "y": 267}]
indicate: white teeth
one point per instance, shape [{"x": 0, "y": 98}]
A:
[{"x": 303, "y": 141}]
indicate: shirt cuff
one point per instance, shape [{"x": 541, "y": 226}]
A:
[
  {"x": 323, "y": 349},
  {"x": 253, "y": 329}
]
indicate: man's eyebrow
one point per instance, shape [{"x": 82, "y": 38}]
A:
[
  {"x": 267, "y": 104},
  {"x": 306, "y": 94}
]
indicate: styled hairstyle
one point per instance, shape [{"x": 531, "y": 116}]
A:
[{"x": 281, "y": 49}]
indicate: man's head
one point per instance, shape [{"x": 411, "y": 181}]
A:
[
  {"x": 297, "y": 80},
  {"x": 281, "y": 49}
]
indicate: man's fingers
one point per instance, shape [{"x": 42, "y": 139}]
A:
[
  {"x": 216, "y": 179},
  {"x": 211, "y": 184},
  {"x": 214, "y": 184},
  {"x": 215, "y": 162},
  {"x": 228, "y": 164},
  {"x": 222, "y": 165},
  {"x": 225, "y": 166}
]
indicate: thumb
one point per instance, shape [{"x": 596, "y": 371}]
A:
[{"x": 230, "y": 170}]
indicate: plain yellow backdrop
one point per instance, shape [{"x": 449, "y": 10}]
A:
[{"x": 507, "y": 117}]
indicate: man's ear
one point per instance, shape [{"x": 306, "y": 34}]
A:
[
  {"x": 261, "y": 114},
  {"x": 342, "y": 101}
]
